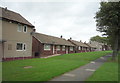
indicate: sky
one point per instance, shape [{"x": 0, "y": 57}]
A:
[{"x": 69, "y": 18}]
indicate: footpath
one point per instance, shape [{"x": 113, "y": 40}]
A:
[{"x": 84, "y": 72}]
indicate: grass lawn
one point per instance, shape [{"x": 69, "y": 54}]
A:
[
  {"x": 44, "y": 69},
  {"x": 107, "y": 72},
  {"x": 0, "y": 71}
]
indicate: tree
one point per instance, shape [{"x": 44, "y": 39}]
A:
[
  {"x": 108, "y": 22},
  {"x": 100, "y": 39}
]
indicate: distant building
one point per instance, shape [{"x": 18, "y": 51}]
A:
[
  {"x": 91, "y": 47},
  {"x": 100, "y": 46},
  {"x": 80, "y": 46}
]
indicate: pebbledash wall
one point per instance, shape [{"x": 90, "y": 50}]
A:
[
  {"x": 12, "y": 37},
  {"x": 38, "y": 49}
]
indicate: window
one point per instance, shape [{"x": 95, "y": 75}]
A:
[
  {"x": 71, "y": 48},
  {"x": 25, "y": 28},
  {"x": 46, "y": 47},
  {"x": 19, "y": 28},
  {"x": 79, "y": 48},
  {"x": 19, "y": 46},
  {"x": 9, "y": 47},
  {"x": 63, "y": 48},
  {"x": 58, "y": 47},
  {"x": 83, "y": 48},
  {"x": 24, "y": 47},
  {"x": 88, "y": 48}
]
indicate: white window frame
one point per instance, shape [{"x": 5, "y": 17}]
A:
[
  {"x": 9, "y": 46},
  {"x": 47, "y": 45},
  {"x": 16, "y": 46},
  {"x": 25, "y": 46},
  {"x": 71, "y": 49},
  {"x": 79, "y": 48},
  {"x": 63, "y": 48},
  {"x": 19, "y": 27},
  {"x": 24, "y": 28},
  {"x": 58, "y": 49},
  {"x": 22, "y": 46}
]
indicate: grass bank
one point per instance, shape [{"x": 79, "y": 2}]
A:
[
  {"x": 44, "y": 69},
  {"x": 107, "y": 72}
]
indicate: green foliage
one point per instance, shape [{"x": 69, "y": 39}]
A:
[
  {"x": 99, "y": 39},
  {"x": 44, "y": 69},
  {"x": 0, "y": 71},
  {"x": 108, "y": 20},
  {"x": 107, "y": 17}
]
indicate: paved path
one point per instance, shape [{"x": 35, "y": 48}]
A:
[
  {"x": 51, "y": 56},
  {"x": 82, "y": 73}
]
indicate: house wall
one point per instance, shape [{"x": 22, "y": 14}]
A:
[
  {"x": 0, "y": 29},
  {"x": 39, "y": 47},
  {"x": 12, "y": 37},
  {"x": 77, "y": 49},
  {"x": 1, "y": 51},
  {"x": 84, "y": 49},
  {"x": 61, "y": 51},
  {"x": 69, "y": 51},
  {"x": 98, "y": 45},
  {"x": 46, "y": 52},
  {"x": 35, "y": 46}
]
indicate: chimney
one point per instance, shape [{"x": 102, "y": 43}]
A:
[
  {"x": 70, "y": 38},
  {"x": 5, "y": 8},
  {"x": 61, "y": 36},
  {"x": 90, "y": 42},
  {"x": 34, "y": 30}
]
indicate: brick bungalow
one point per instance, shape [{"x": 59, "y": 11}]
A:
[
  {"x": 99, "y": 46},
  {"x": 79, "y": 46},
  {"x": 45, "y": 45},
  {"x": 91, "y": 47}
]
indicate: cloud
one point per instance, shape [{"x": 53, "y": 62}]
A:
[{"x": 70, "y": 19}]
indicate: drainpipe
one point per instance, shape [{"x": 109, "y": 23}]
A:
[{"x": 3, "y": 49}]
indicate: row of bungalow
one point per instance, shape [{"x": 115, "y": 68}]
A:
[
  {"x": 18, "y": 40},
  {"x": 45, "y": 45}
]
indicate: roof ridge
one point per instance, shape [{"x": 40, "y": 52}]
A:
[
  {"x": 51, "y": 36},
  {"x": 10, "y": 10},
  {"x": 14, "y": 16},
  {"x": 52, "y": 39}
]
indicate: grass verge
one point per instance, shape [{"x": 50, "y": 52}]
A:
[
  {"x": 44, "y": 69},
  {"x": 107, "y": 72}
]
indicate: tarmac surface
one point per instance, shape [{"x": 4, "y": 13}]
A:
[{"x": 83, "y": 72}]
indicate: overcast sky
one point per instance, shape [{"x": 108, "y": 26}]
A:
[{"x": 67, "y": 18}]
